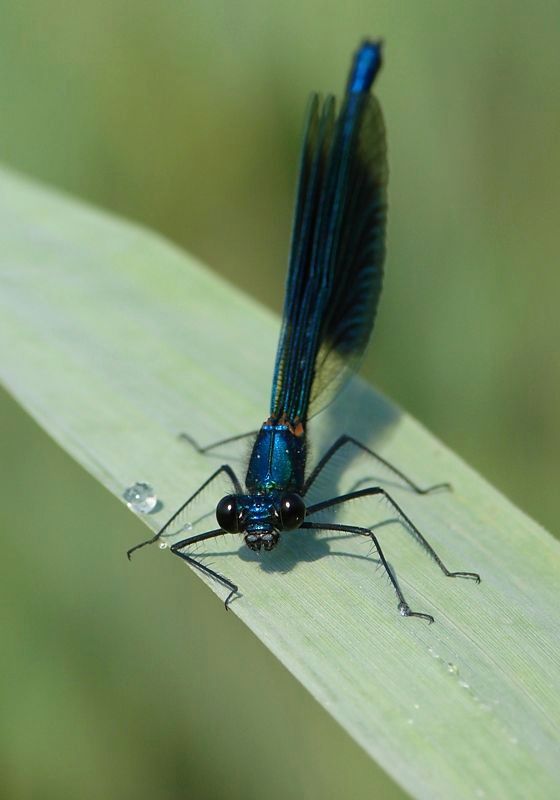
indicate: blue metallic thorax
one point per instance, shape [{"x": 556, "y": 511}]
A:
[{"x": 277, "y": 462}]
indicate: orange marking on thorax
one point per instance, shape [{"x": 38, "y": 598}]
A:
[{"x": 296, "y": 428}]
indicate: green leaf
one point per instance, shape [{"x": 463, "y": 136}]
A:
[{"x": 115, "y": 341}]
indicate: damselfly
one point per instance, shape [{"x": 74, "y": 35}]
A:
[{"x": 333, "y": 287}]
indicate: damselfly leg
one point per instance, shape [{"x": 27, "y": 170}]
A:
[
  {"x": 380, "y": 492},
  {"x": 208, "y": 447},
  {"x": 404, "y": 608},
  {"x": 349, "y": 440}
]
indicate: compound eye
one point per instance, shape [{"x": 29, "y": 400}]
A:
[
  {"x": 292, "y": 511},
  {"x": 228, "y": 515}
]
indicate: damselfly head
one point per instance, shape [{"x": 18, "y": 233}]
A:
[
  {"x": 262, "y": 517},
  {"x": 268, "y": 517}
]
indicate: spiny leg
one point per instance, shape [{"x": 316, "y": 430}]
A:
[
  {"x": 224, "y": 468},
  {"x": 404, "y": 608},
  {"x": 377, "y": 490},
  {"x": 344, "y": 440},
  {"x": 178, "y": 546},
  {"x": 208, "y": 447}
]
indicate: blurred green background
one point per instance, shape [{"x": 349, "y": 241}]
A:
[{"x": 186, "y": 116}]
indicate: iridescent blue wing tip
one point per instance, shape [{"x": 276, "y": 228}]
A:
[{"x": 365, "y": 67}]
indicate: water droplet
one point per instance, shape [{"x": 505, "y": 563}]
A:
[
  {"x": 453, "y": 669},
  {"x": 140, "y": 498},
  {"x": 186, "y": 527},
  {"x": 163, "y": 545}
]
